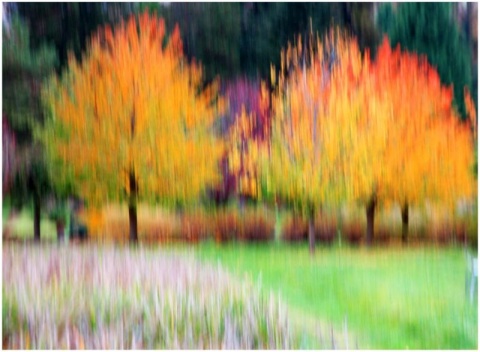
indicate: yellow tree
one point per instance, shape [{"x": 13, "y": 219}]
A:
[
  {"x": 131, "y": 122},
  {"x": 314, "y": 94}
]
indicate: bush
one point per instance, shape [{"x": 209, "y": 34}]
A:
[
  {"x": 256, "y": 226},
  {"x": 382, "y": 236},
  {"x": 112, "y": 223},
  {"x": 295, "y": 229},
  {"x": 441, "y": 233},
  {"x": 195, "y": 227},
  {"x": 472, "y": 231},
  {"x": 460, "y": 232},
  {"x": 161, "y": 229},
  {"x": 227, "y": 226},
  {"x": 353, "y": 232},
  {"x": 95, "y": 222},
  {"x": 325, "y": 230}
]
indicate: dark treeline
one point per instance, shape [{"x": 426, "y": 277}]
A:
[{"x": 233, "y": 39}]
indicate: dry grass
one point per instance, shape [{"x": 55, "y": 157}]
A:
[{"x": 116, "y": 297}]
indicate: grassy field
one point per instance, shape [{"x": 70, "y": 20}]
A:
[{"x": 390, "y": 298}]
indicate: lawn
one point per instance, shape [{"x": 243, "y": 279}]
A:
[
  {"x": 392, "y": 298},
  {"x": 387, "y": 298},
  {"x": 22, "y": 226}
]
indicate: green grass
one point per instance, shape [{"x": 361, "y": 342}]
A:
[
  {"x": 391, "y": 298},
  {"x": 21, "y": 226}
]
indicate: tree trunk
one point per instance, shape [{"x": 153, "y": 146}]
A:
[
  {"x": 132, "y": 210},
  {"x": 60, "y": 231},
  {"x": 311, "y": 232},
  {"x": 370, "y": 220},
  {"x": 36, "y": 219},
  {"x": 404, "y": 223}
]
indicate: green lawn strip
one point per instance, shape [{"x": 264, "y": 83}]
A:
[
  {"x": 21, "y": 227},
  {"x": 390, "y": 298}
]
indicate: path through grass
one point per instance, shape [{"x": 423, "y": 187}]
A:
[{"x": 391, "y": 298}]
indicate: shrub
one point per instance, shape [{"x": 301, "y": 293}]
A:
[
  {"x": 112, "y": 223},
  {"x": 295, "y": 229},
  {"x": 441, "y": 232},
  {"x": 158, "y": 229},
  {"x": 472, "y": 231},
  {"x": 95, "y": 222},
  {"x": 382, "y": 235},
  {"x": 460, "y": 232},
  {"x": 325, "y": 230},
  {"x": 227, "y": 226},
  {"x": 353, "y": 232},
  {"x": 195, "y": 227},
  {"x": 256, "y": 226}
]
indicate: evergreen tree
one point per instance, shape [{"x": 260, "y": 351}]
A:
[{"x": 23, "y": 70}]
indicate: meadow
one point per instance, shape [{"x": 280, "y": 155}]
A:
[{"x": 387, "y": 297}]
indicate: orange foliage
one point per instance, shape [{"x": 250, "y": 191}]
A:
[
  {"x": 134, "y": 106},
  {"x": 346, "y": 129},
  {"x": 428, "y": 152}
]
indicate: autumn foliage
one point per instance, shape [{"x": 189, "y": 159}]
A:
[
  {"x": 347, "y": 129},
  {"x": 131, "y": 121},
  {"x": 247, "y": 131}
]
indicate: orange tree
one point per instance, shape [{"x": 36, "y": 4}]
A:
[
  {"x": 315, "y": 93},
  {"x": 427, "y": 153},
  {"x": 345, "y": 129},
  {"x": 131, "y": 121}
]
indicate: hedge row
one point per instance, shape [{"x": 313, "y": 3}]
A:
[{"x": 259, "y": 226}]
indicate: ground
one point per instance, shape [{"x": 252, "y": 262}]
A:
[{"x": 379, "y": 298}]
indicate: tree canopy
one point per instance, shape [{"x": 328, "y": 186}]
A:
[{"x": 131, "y": 122}]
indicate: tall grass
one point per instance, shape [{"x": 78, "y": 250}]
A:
[{"x": 116, "y": 297}]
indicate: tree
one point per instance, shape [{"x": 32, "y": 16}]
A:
[
  {"x": 68, "y": 26},
  {"x": 304, "y": 164},
  {"x": 23, "y": 71},
  {"x": 8, "y": 155},
  {"x": 429, "y": 29},
  {"x": 131, "y": 123},
  {"x": 211, "y": 33},
  {"x": 410, "y": 146}
]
